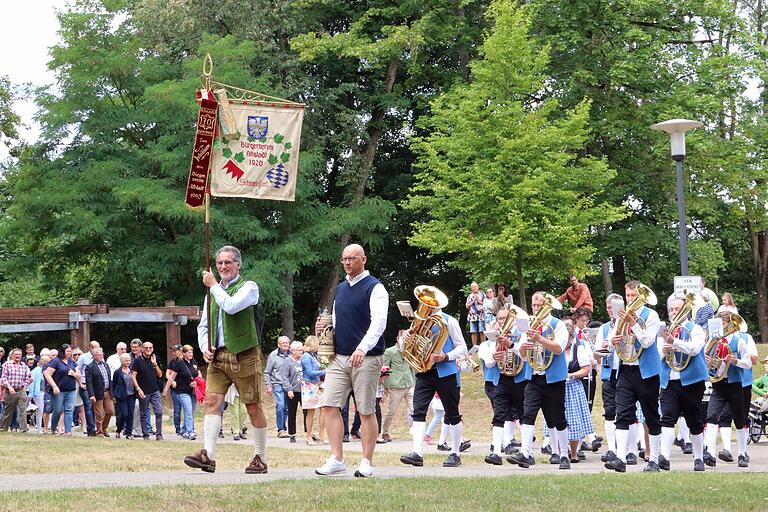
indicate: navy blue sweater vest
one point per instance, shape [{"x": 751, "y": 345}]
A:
[{"x": 353, "y": 316}]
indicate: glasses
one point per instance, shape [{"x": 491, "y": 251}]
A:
[{"x": 349, "y": 259}]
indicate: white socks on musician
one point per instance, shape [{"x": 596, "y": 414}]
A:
[
  {"x": 725, "y": 436},
  {"x": 622, "y": 440},
  {"x": 741, "y": 440},
  {"x": 509, "y": 432},
  {"x": 443, "y": 433},
  {"x": 526, "y": 438},
  {"x": 610, "y": 435},
  {"x": 562, "y": 441},
  {"x": 260, "y": 442},
  {"x": 710, "y": 439},
  {"x": 456, "y": 431},
  {"x": 498, "y": 435},
  {"x": 667, "y": 440},
  {"x": 684, "y": 432},
  {"x": 417, "y": 431},
  {"x": 698, "y": 446},
  {"x": 654, "y": 442},
  {"x": 211, "y": 427},
  {"x": 634, "y": 438}
]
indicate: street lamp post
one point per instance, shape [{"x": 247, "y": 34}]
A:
[{"x": 676, "y": 129}]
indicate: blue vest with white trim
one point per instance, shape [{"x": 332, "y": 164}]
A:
[
  {"x": 447, "y": 367},
  {"x": 607, "y": 362},
  {"x": 696, "y": 371},
  {"x": 491, "y": 373},
  {"x": 558, "y": 370},
  {"x": 649, "y": 362},
  {"x": 736, "y": 374},
  {"x": 526, "y": 373}
]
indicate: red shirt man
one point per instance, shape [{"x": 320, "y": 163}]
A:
[{"x": 577, "y": 294}]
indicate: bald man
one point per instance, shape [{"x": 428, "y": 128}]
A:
[{"x": 359, "y": 319}]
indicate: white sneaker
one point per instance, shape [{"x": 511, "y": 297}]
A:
[
  {"x": 364, "y": 470},
  {"x": 331, "y": 467}
]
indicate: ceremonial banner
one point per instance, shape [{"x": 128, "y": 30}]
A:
[
  {"x": 262, "y": 163},
  {"x": 201, "y": 153}
]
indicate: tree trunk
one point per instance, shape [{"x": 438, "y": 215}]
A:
[
  {"x": 619, "y": 273},
  {"x": 760, "y": 259},
  {"x": 287, "y": 311},
  {"x": 607, "y": 284},
  {"x": 520, "y": 282}
]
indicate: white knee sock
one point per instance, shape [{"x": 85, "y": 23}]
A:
[
  {"x": 509, "y": 432},
  {"x": 622, "y": 439},
  {"x": 211, "y": 427},
  {"x": 610, "y": 434},
  {"x": 526, "y": 437},
  {"x": 547, "y": 441},
  {"x": 725, "y": 435},
  {"x": 698, "y": 446},
  {"x": 710, "y": 439},
  {"x": 498, "y": 435},
  {"x": 654, "y": 442},
  {"x": 456, "y": 431},
  {"x": 562, "y": 441},
  {"x": 741, "y": 440},
  {"x": 260, "y": 442},
  {"x": 667, "y": 440},
  {"x": 685, "y": 432},
  {"x": 443, "y": 433},
  {"x": 417, "y": 431},
  {"x": 634, "y": 437}
]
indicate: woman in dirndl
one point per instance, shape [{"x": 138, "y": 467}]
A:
[
  {"x": 311, "y": 373},
  {"x": 577, "y": 412}
]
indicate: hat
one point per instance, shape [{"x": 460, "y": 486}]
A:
[{"x": 177, "y": 346}]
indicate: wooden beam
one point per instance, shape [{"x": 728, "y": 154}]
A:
[
  {"x": 49, "y": 313},
  {"x": 34, "y": 327},
  {"x": 132, "y": 317}
]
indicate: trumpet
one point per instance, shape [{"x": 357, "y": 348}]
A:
[
  {"x": 423, "y": 342},
  {"x": 627, "y": 351},
  {"x": 678, "y": 361},
  {"x": 511, "y": 363},
  {"x": 539, "y": 357},
  {"x": 717, "y": 350}
]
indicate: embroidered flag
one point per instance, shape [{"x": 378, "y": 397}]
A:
[{"x": 197, "y": 180}]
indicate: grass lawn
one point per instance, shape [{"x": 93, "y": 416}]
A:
[{"x": 679, "y": 492}]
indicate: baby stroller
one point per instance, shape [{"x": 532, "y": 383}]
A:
[{"x": 758, "y": 419}]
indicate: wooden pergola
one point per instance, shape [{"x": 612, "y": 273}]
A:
[{"x": 78, "y": 319}]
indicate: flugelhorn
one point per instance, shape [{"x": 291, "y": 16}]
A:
[
  {"x": 627, "y": 351},
  {"x": 677, "y": 360},
  {"x": 511, "y": 363},
  {"x": 717, "y": 350},
  {"x": 539, "y": 357},
  {"x": 422, "y": 343}
]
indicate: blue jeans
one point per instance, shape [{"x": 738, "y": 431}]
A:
[
  {"x": 189, "y": 419},
  {"x": 176, "y": 411},
  {"x": 281, "y": 407},
  {"x": 63, "y": 402},
  {"x": 90, "y": 423}
]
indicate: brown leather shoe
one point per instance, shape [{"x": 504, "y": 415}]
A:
[
  {"x": 200, "y": 460},
  {"x": 386, "y": 438},
  {"x": 256, "y": 467}
]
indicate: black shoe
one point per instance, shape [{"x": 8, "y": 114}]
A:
[
  {"x": 547, "y": 450},
  {"x": 641, "y": 453},
  {"x": 293, "y": 439},
  {"x": 688, "y": 448},
  {"x": 554, "y": 458},
  {"x": 746, "y": 456},
  {"x": 453, "y": 461},
  {"x": 743, "y": 462},
  {"x": 709, "y": 460},
  {"x": 443, "y": 447},
  {"x": 345, "y": 438},
  {"x": 515, "y": 443},
  {"x": 617, "y": 465},
  {"x": 465, "y": 445},
  {"x": 580, "y": 455},
  {"x": 631, "y": 459},
  {"x": 413, "y": 458},
  {"x": 725, "y": 456},
  {"x": 596, "y": 445},
  {"x": 598, "y": 439},
  {"x": 221, "y": 434},
  {"x": 663, "y": 463},
  {"x": 698, "y": 465},
  {"x": 679, "y": 442},
  {"x": 494, "y": 459},
  {"x": 565, "y": 463},
  {"x": 609, "y": 455},
  {"x": 521, "y": 460},
  {"x": 509, "y": 449}
]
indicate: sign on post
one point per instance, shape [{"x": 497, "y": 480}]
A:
[{"x": 687, "y": 284}]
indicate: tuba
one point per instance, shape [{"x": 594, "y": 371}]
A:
[
  {"x": 626, "y": 350},
  {"x": 326, "y": 349},
  {"x": 512, "y": 363},
  {"x": 717, "y": 350},
  {"x": 676, "y": 360},
  {"x": 423, "y": 342},
  {"x": 537, "y": 356}
]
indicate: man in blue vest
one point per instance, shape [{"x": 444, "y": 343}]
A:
[
  {"x": 609, "y": 367},
  {"x": 235, "y": 358},
  {"x": 638, "y": 381},
  {"x": 730, "y": 391},
  {"x": 681, "y": 392},
  {"x": 442, "y": 379},
  {"x": 359, "y": 320},
  {"x": 546, "y": 389}
]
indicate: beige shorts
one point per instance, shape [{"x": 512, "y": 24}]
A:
[
  {"x": 243, "y": 370},
  {"x": 341, "y": 379}
]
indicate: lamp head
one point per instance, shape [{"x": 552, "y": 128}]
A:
[{"x": 676, "y": 129}]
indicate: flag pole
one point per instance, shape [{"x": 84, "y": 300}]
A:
[{"x": 207, "y": 76}]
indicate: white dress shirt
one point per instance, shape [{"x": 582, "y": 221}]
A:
[
  {"x": 247, "y": 295},
  {"x": 459, "y": 344},
  {"x": 379, "y": 306},
  {"x": 605, "y": 343}
]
